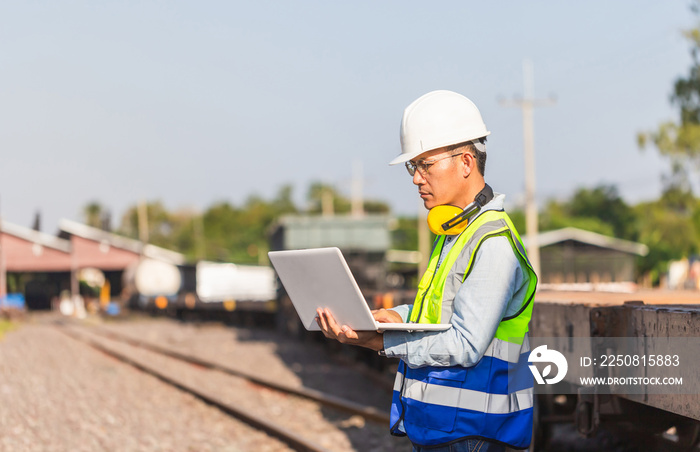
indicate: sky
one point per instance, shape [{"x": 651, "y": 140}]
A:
[{"x": 193, "y": 103}]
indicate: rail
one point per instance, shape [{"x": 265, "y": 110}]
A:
[
  {"x": 288, "y": 437},
  {"x": 331, "y": 401}
]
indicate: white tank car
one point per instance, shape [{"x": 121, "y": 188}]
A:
[
  {"x": 153, "y": 278},
  {"x": 218, "y": 282}
]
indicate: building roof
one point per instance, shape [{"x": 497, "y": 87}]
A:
[
  {"x": 34, "y": 236},
  {"x": 118, "y": 241},
  {"x": 590, "y": 238}
]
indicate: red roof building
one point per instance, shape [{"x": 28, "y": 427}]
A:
[
  {"x": 95, "y": 248},
  {"x": 27, "y": 250}
]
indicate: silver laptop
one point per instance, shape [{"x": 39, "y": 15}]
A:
[{"x": 320, "y": 278}]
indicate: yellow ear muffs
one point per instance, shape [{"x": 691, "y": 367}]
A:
[{"x": 447, "y": 220}]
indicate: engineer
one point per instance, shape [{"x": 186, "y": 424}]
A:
[{"x": 467, "y": 388}]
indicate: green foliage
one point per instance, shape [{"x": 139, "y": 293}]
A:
[
  {"x": 680, "y": 140},
  {"x": 240, "y": 234},
  {"x": 517, "y": 216},
  {"x": 326, "y": 196},
  {"x": 377, "y": 207},
  {"x": 558, "y": 215},
  {"x": 228, "y": 233},
  {"x": 605, "y": 204},
  {"x": 600, "y": 209},
  {"x": 93, "y": 213},
  {"x": 669, "y": 233},
  {"x": 405, "y": 235},
  {"x": 162, "y": 225},
  {"x": 322, "y": 195},
  {"x": 670, "y": 227}
]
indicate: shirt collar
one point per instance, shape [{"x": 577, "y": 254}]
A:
[{"x": 495, "y": 204}]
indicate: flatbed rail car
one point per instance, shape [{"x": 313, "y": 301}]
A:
[
  {"x": 647, "y": 315},
  {"x": 218, "y": 290}
]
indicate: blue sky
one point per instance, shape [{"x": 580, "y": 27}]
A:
[{"x": 197, "y": 102}]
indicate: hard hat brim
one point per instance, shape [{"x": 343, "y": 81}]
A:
[{"x": 403, "y": 158}]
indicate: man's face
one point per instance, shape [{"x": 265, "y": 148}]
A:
[{"x": 443, "y": 182}]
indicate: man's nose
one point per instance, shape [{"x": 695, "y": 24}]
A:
[{"x": 418, "y": 178}]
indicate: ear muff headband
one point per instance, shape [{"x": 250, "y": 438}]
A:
[{"x": 452, "y": 220}]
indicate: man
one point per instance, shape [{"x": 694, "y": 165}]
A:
[{"x": 467, "y": 388}]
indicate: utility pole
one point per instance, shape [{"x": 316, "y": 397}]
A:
[
  {"x": 198, "y": 226},
  {"x": 142, "y": 214},
  {"x": 527, "y": 103},
  {"x": 357, "y": 201},
  {"x": 423, "y": 239},
  {"x": 327, "y": 209}
]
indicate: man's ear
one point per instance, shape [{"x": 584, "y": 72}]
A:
[{"x": 469, "y": 163}]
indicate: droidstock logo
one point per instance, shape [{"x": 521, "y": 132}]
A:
[{"x": 542, "y": 355}]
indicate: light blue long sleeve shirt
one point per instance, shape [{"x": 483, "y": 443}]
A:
[{"x": 495, "y": 288}]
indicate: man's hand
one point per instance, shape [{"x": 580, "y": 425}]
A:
[
  {"x": 386, "y": 316},
  {"x": 346, "y": 335}
]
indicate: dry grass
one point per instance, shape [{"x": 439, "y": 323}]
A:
[{"x": 6, "y": 326}]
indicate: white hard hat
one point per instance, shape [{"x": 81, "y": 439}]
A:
[{"x": 438, "y": 119}]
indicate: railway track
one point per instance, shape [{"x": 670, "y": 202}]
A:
[{"x": 285, "y": 434}]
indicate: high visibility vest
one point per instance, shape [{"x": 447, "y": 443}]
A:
[{"x": 492, "y": 400}]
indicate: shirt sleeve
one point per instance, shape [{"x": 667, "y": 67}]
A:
[
  {"x": 403, "y": 310},
  {"x": 480, "y": 304}
]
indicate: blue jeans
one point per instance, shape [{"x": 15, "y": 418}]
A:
[{"x": 468, "y": 445}]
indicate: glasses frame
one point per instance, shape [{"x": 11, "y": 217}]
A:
[{"x": 422, "y": 166}]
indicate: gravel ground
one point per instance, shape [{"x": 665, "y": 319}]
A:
[
  {"x": 58, "y": 394},
  {"x": 267, "y": 354}
]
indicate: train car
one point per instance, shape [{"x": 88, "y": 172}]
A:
[
  {"x": 233, "y": 291},
  {"x": 204, "y": 290},
  {"x": 152, "y": 285},
  {"x": 628, "y": 330}
]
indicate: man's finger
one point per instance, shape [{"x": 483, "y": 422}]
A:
[
  {"x": 349, "y": 332},
  {"x": 319, "y": 318},
  {"x": 332, "y": 324},
  {"x": 323, "y": 323}
]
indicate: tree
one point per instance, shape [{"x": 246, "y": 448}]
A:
[
  {"x": 669, "y": 232},
  {"x": 558, "y": 215},
  {"x": 404, "y": 236},
  {"x": 161, "y": 225},
  {"x": 226, "y": 232},
  {"x": 671, "y": 225},
  {"x": 323, "y": 196},
  {"x": 605, "y": 204},
  {"x": 599, "y": 209},
  {"x": 92, "y": 213},
  {"x": 680, "y": 141}
]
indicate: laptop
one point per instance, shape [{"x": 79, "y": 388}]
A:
[{"x": 320, "y": 278}]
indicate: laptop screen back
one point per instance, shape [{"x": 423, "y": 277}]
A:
[{"x": 320, "y": 278}]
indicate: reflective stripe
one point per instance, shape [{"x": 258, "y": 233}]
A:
[
  {"x": 507, "y": 351},
  {"x": 467, "y": 399},
  {"x": 397, "y": 381}
]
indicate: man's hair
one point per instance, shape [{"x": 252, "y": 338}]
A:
[{"x": 478, "y": 155}]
